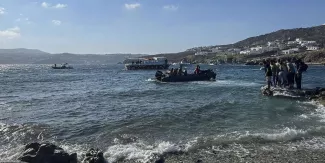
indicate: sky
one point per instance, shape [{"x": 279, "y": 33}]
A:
[{"x": 146, "y": 26}]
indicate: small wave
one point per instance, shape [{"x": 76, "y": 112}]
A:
[
  {"x": 139, "y": 151},
  {"x": 236, "y": 83},
  {"x": 319, "y": 112},
  {"x": 151, "y": 80},
  {"x": 284, "y": 94}
]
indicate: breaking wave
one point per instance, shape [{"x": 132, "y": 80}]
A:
[{"x": 139, "y": 150}]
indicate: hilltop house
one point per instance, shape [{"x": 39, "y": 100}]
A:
[
  {"x": 216, "y": 50},
  {"x": 234, "y": 50},
  {"x": 246, "y": 52},
  {"x": 201, "y": 53},
  {"x": 271, "y": 44},
  {"x": 290, "y": 51},
  {"x": 312, "y": 48}
]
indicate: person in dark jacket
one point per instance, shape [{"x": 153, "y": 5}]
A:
[
  {"x": 268, "y": 74},
  {"x": 298, "y": 76}
]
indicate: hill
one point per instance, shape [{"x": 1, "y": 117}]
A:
[
  {"x": 316, "y": 33},
  {"x": 34, "y": 56},
  {"x": 85, "y": 58}
]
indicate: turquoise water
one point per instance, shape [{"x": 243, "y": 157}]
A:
[{"x": 131, "y": 117}]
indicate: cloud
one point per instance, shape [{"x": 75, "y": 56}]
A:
[
  {"x": 23, "y": 20},
  {"x": 60, "y": 6},
  {"x": 56, "y": 22},
  {"x": 2, "y": 11},
  {"x": 45, "y": 5},
  {"x": 10, "y": 33},
  {"x": 170, "y": 7},
  {"x": 57, "y": 6},
  {"x": 132, "y": 6}
]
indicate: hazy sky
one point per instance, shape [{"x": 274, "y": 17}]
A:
[{"x": 146, "y": 26}]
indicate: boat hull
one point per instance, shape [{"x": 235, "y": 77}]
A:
[
  {"x": 62, "y": 67},
  {"x": 204, "y": 76},
  {"x": 146, "y": 67}
]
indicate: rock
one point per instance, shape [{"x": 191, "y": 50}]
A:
[
  {"x": 199, "y": 161},
  {"x": 34, "y": 146},
  {"x": 94, "y": 156},
  {"x": 160, "y": 160},
  {"x": 73, "y": 158},
  {"x": 46, "y": 153},
  {"x": 30, "y": 151},
  {"x": 322, "y": 93}
]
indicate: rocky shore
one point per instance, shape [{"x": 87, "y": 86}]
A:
[
  {"x": 316, "y": 94},
  {"x": 50, "y": 153}
]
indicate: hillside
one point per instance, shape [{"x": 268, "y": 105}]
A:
[{"x": 316, "y": 33}]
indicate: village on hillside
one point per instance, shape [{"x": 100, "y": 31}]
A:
[{"x": 276, "y": 48}]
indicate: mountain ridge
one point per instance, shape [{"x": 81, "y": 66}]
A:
[{"x": 35, "y": 56}]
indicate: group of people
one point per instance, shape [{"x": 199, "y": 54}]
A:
[
  {"x": 177, "y": 71},
  {"x": 284, "y": 73}
]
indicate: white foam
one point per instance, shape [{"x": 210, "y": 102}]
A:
[
  {"x": 282, "y": 135},
  {"x": 319, "y": 111},
  {"x": 236, "y": 83},
  {"x": 138, "y": 151},
  {"x": 316, "y": 143},
  {"x": 284, "y": 94},
  {"x": 150, "y": 80}
]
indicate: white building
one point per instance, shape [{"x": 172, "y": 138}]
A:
[
  {"x": 234, "y": 50},
  {"x": 312, "y": 48},
  {"x": 257, "y": 48},
  {"x": 216, "y": 50},
  {"x": 290, "y": 51},
  {"x": 271, "y": 44},
  {"x": 292, "y": 42},
  {"x": 298, "y": 40},
  {"x": 201, "y": 53},
  {"x": 310, "y": 42},
  {"x": 245, "y": 52}
]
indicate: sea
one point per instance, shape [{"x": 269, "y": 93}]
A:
[{"x": 133, "y": 118}]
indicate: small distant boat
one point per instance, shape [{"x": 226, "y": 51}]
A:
[{"x": 63, "y": 66}]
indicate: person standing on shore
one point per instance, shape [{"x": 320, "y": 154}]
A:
[
  {"x": 301, "y": 67},
  {"x": 274, "y": 73},
  {"x": 268, "y": 74},
  {"x": 281, "y": 74},
  {"x": 291, "y": 74}
]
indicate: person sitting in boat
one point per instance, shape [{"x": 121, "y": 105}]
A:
[
  {"x": 197, "y": 70},
  {"x": 185, "y": 73},
  {"x": 54, "y": 65},
  {"x": 179, "y": 73},
  {"x": 171, "y": 71}
]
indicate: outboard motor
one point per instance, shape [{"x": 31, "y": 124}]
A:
[{"x": 159, "y": 75}]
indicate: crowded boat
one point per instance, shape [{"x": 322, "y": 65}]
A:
[{"x": 181, "y": 75}]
